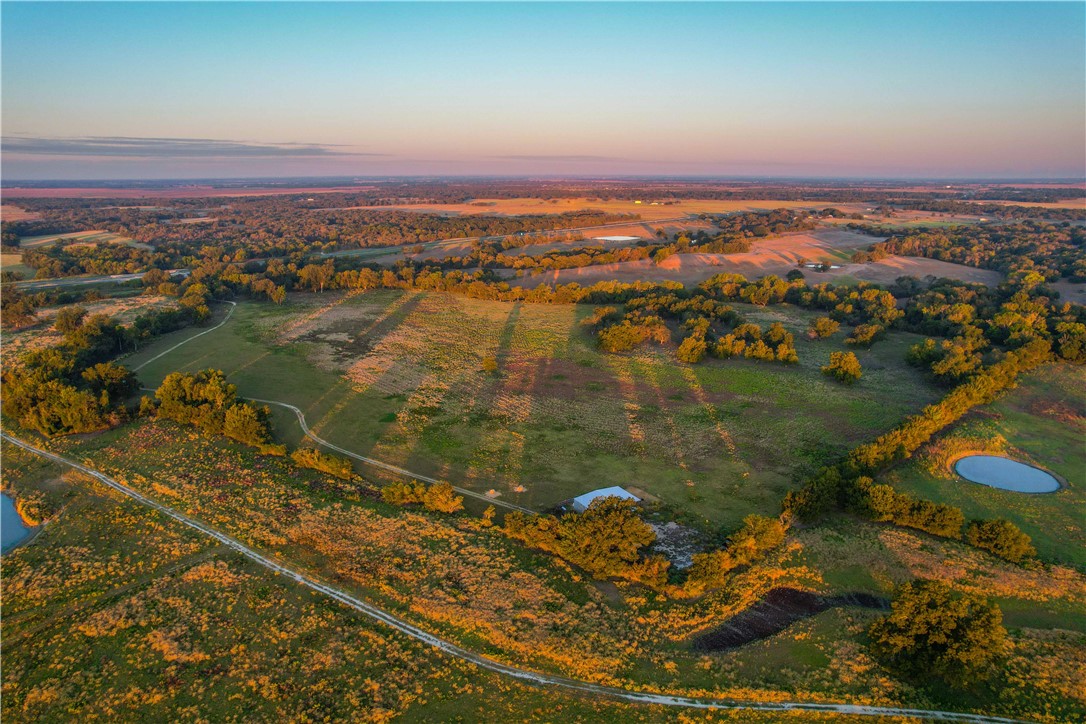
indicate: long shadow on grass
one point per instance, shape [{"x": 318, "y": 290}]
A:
[{"x": 780, "y": 608}]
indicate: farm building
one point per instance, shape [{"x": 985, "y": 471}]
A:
[{"x": 581, "y": 502}]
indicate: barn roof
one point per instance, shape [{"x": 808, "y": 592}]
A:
[{"x": 583, "y": 500}]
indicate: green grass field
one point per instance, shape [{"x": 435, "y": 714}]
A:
[
  {"x": 1043, "y": 422},
  {"x": 82, "y": 237},
  {"x": 397, "y": 376}
]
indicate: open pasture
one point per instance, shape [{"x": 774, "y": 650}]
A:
[
  {"x": 1041, "y": 422},
  {"x": 778, "y": 255},
  {"x": 432, "y": 250},
  {"x": 12, "y": 213},
  {"x": 646, "y": 209},
  {"x": 80, "y": 238},
  {"x": 42, "y": 334},
  {"x": 397, "y": 376},
  {"x": 13, "y": 262}
]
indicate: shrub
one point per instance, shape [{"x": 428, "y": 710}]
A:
[
  {"x": 865, "y": 335},
  {"x": 843, "y": 367},
  {"x": 606, "y": 540},
  {"x": 1002, "y": 538},
  {"x": 439, "y": 497},
  {"x": 758, "y": 535},
  {"x": 333, "y": 465},
  {"x": 931, "y": 632},
  {"x": 823, "y": 327}
]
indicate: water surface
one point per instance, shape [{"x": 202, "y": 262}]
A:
[
  {"x": 1005, "y": 474},
  {"x": 12, "y": 529}
]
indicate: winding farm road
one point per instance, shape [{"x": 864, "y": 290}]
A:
[
  {"x": 385, "y": 466},
  {"x": 320, "y": 441},
  {"x": 524, "y": 675}
]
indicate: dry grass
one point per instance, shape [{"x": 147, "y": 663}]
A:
[
  {"x": 772, "y": 256},
  {"x": 80, "y": 238},
  {"x": 516, "y": 207},
  {"x": 14, "y": 213},
  {"x": 42, "y": 334}
]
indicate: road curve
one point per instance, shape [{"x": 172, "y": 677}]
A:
[
  {"x": 524, "y": 675},
  {"x": 233, "y": 306},
  {"x": 320, "y": 441},
  {"x": 385, "y": 466}
]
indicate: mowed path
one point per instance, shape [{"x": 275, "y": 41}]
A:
[{"x": 452, "y": 649}]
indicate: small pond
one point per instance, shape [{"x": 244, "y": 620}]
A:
[
  {"x": 1005, "y": 474},
  {"x": 12, "y": 529}
]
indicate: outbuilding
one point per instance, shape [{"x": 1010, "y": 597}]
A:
[{"x": 581, "y": 502}]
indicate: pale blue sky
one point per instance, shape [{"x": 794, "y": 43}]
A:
[{"x": 919, "y": 89}]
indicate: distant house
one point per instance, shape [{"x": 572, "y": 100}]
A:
[{"x": 581, "y": 502}]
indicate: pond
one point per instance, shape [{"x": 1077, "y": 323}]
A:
[
  {"x": 1005, "y": 474},
  {"x": 12, "y": 529}
]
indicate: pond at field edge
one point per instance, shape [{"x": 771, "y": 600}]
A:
[
  {"x": 1005, "y": 474},
  {"x": 13, "y": 530}
]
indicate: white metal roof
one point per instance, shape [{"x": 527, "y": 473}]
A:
[{"x": 582, "y": 501}]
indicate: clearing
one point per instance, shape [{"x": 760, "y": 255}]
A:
[
  {"x": 778, "y": 255},
  {"x": 397, "y": 376},
  {"x": 647, "y": 209},
  {"x": 81, "y": 238},
  {"x": 14, "y": 213}
]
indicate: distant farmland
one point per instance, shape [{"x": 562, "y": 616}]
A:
[
  {"x": 80, "y": 238},
  {"x": 777, "y": 255}
]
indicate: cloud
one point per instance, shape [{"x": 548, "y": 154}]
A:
[
  {"x": 561, "y": 158},
  {"x": 163, "y": 148}
]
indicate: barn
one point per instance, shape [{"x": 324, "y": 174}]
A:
[{"x": 581, "y": 502}]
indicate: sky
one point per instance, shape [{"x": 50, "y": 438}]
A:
[{"x": 202, "y": 90}]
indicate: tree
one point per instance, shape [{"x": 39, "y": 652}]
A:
[
  {"x": 692, "y": 349},
  {"x": 1002, "y": 538},
  {"x": 932, "y": 632},
  {"x": 843, "y": 367},
  {"x": 605, "y": 540},
  {"x": 116, "y": 381},
  {"x": 758, "y": 535},
  {"x": 441, "y": 497},
  {"x": 69, "y": 319},
  {"x": 490, "y": 365},
  {"x": 246, "y": 424},
  {"x": 315, "y": 276},
  {"x": 154, "y": 278}
]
